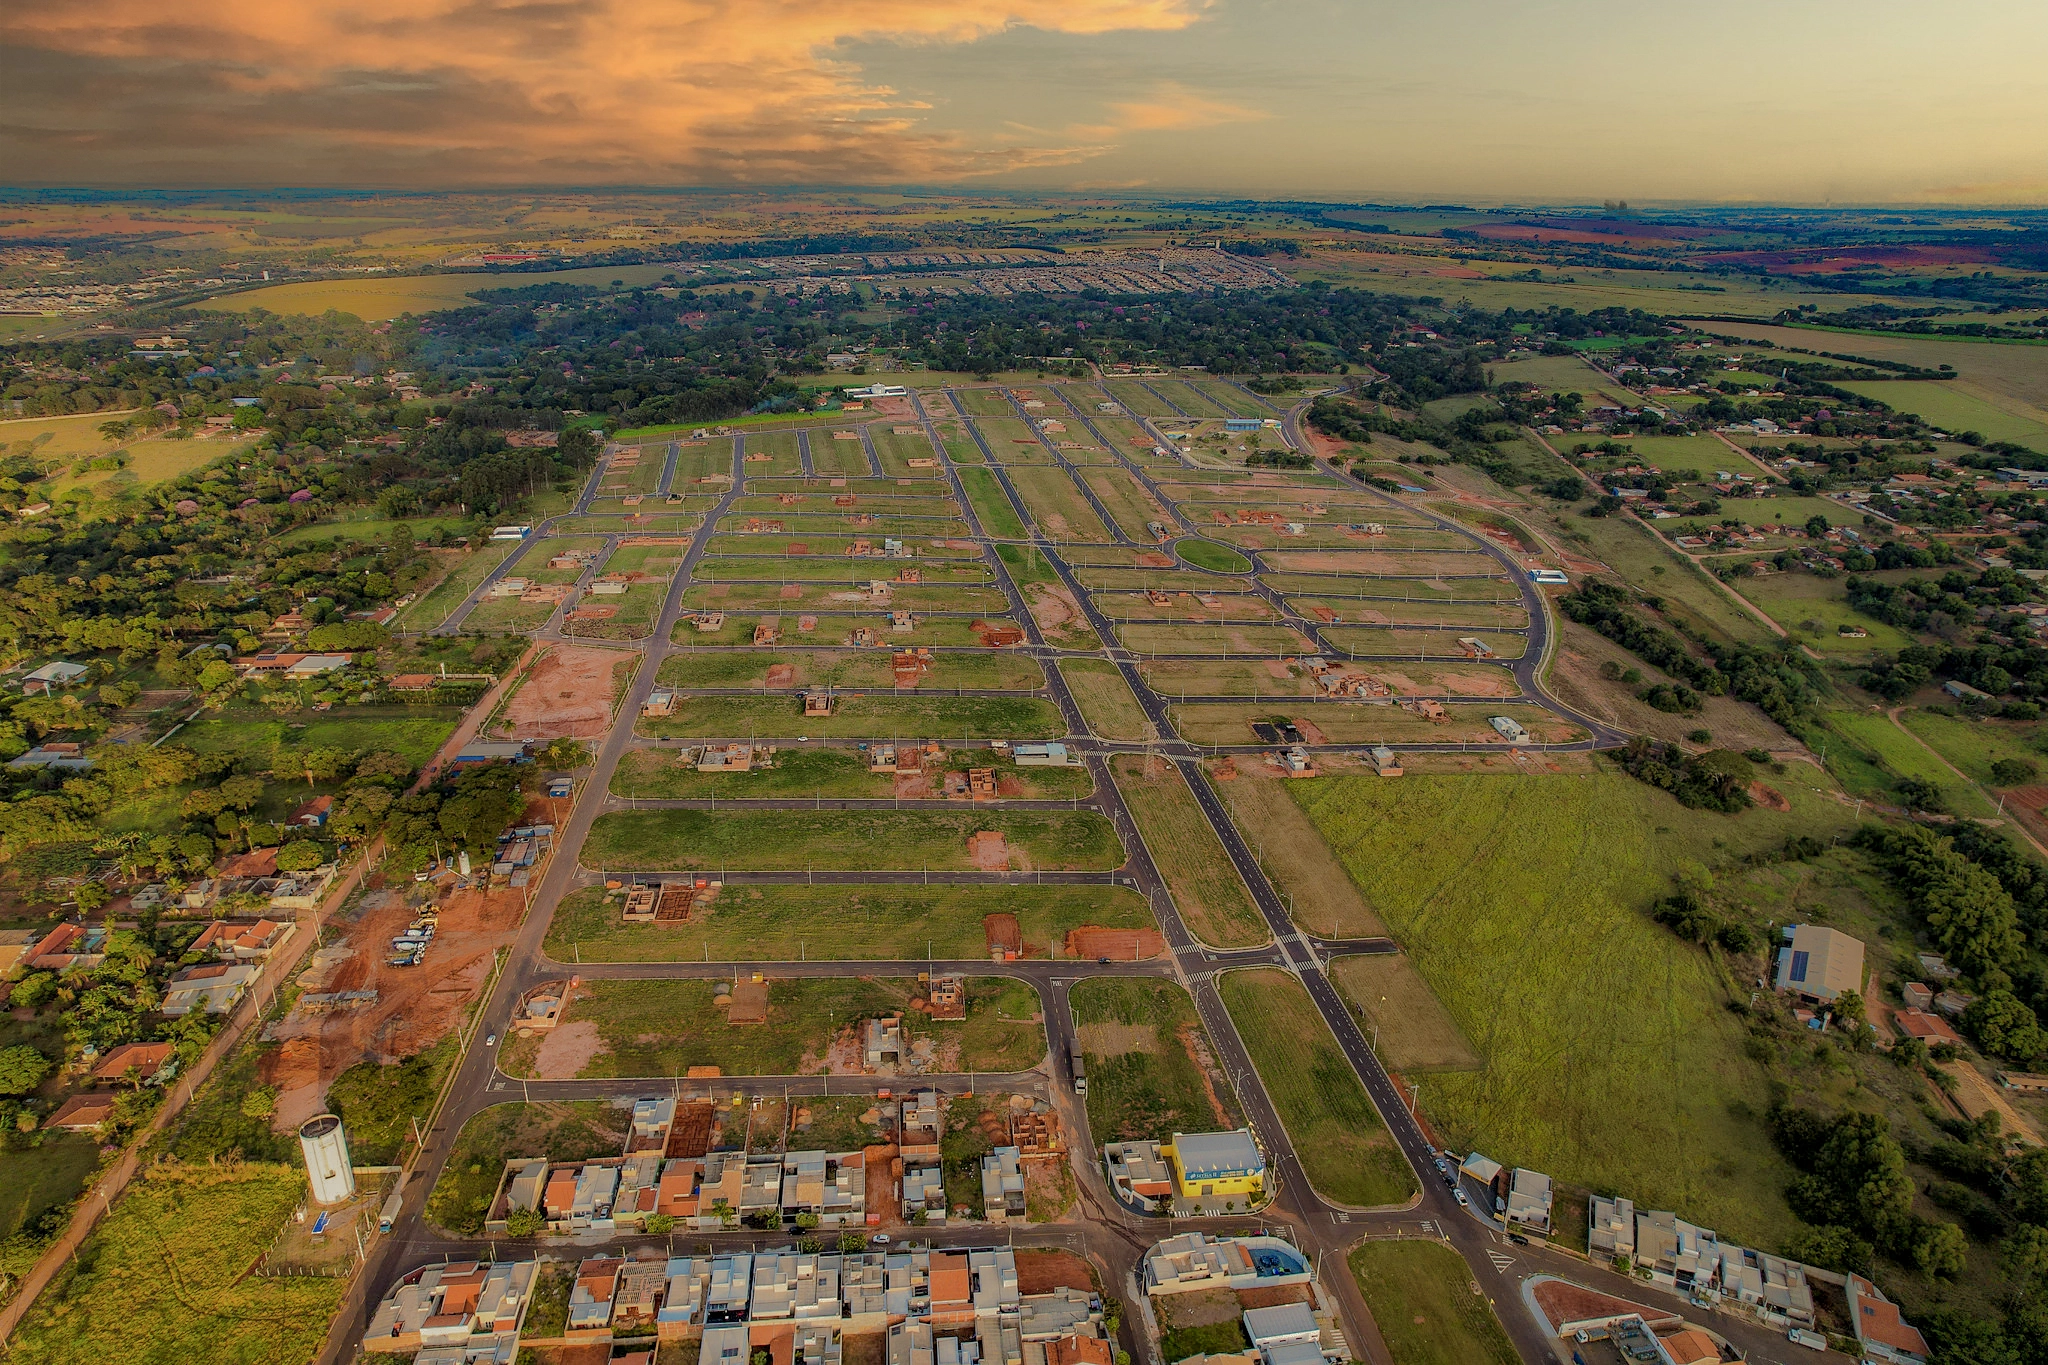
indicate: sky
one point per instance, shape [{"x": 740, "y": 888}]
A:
[{"x": 1783, "y": 101}]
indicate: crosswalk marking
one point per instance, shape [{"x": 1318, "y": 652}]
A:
[
  {"x": 1336, "y": 1217},
  {"x": 1501, "y": 1261}
]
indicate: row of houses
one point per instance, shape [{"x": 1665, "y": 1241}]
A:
[
  {"x": 1693, "y": 1261},
  {"x": 931, "y": 1308}
]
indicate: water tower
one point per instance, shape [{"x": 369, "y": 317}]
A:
[{"x": 327, "y": 1163}]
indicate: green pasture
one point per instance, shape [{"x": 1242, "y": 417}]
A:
[{"x": 754, "y": 839}]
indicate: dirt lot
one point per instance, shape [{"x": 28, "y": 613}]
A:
[
  {"x": 567, "y": 692},
  {"x": 1121, "y": 945},
  {"x": 1041, "y": 1272},
  {"x": 416, "y": 1006},
  {"x": 988, "y": 851}
]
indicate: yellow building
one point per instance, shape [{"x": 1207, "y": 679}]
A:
[{"x": 1217, "y": 1165}]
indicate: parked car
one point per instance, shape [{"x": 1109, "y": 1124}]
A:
[
  {"x": 1463, "y": 1202},
  {"x": 1518, "y": 1239},
  {"x": 880, "y": 1239}
]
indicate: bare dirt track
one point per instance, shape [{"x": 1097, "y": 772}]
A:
[{"x": 568, "y": 691}]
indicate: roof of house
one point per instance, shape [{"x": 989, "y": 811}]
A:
[
  {"x": 145, "y": 1058},
  {"x": 1691, "y": 1347},
  {"x": 318, "y": 805},
  {"x": 1822, "y": 962},
  {"x": 1205, "y": 1154},
  {"x": 1878, "y": 1320},
  {"x": 82, "y": 1111},
  {"x": 260, "y": 862}
]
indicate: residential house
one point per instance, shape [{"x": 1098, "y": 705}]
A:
[
  {"x": 1883, "y": 1334},
  {"x": 1819, "y": 963},
  {"x": 1529, "y": 1200},
  {"x": 1611, "y": 1229},
  {"x": 211, "y": 986},
  {"x": 63, "y": 756},
  {"x": 141, "y": 1063},
  {"x": 82, "y": 1113},
  {"x": 67, "y": 946},
  {"x": 15, "y": 945},
  {"x": 883, "y": 1042},
  {"x": 1138, "y": 1170},
  {"x": 57, "y": 673},
  {"x": 1195, "y": 1260},
  {"x": 590, "y": 1302},
  {"x": 1002, "y": 1185},
  {"x": 313, "y": 812},
  {"x": 461, "y": 1311},
  {"x": 242, "y": 940}
]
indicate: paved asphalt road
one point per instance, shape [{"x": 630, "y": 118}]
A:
[{"x": 1108, "y": 1233}]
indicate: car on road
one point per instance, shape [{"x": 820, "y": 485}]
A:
[
  {"x": 1518, "y": 1239},
  {"x": 1102, "y": 962},
  {"x": 1463, "y": 1202},
  {"x": 880, "y": 1239},
  {"x": 490, "y": 1040}
]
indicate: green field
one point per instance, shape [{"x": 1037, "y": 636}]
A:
[
  {"x": 1210, "y": 555},
  {"x": 1058, "y": 506},
  {"x": 1421, "y": 1299},
  {"x": 1106, "y": 701},
  {"x": 662, "y": 1028},
  {"x": 908, "y": 716},
  {"x": 379, "y": 1103},
  {"x": 792, "y": 840},
  {"x": 992, "y": 506},
  {"x": 1974, "y": 745},
  {"x": 1337, "y": 1134},
  {"x": 1206, "y": 887},
  {"x": 1813, "y": 608},
  {"x": 1956, "y": 410},
  {"x": 38, "y": 1174},
  {"x": 165, "y": 1278},
  {"x": 1151, "y": 1070},
  {"x": 465, "y": 572},
  {"x": 882, "y": 923},
  {"x": 847, "y": 668},
  {"x": 1872, "y": 735},
  {"x": 1523, "y": 902}
]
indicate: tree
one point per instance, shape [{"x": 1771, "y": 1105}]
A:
[
  {"x": 2013, "y": 772},
  {"x": 531, "y": 1223},
  {"x": 1941, "y": 1250},
  {"x": 261, "y": 1102},
  {"x": 2004, "y": 1026},
  {"x": 32, "y": 992},
  {"x": 300, "y": 855},
  {"x": 22, "y": 1069},
  {"x": 2024, "y": 1255}
]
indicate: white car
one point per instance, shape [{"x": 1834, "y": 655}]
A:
[
  {"x": 880, "y": 1239},
  {"x": 490, "y": 1040},
  {"x": 1463, "y": 1202}
]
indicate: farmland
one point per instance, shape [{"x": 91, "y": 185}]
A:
[
  {"x": 1421, "y": 1300},
  {"x": 907, "y": 716}
]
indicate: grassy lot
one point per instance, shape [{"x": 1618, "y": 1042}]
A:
[
  {"x": 466, "y": 572},
  {"x": 849, "y": 668},
  {"x": 1151, "y": 1071},
  {"x": 265, "y": 743},
  {"x": 572, "y": 1131},
  {"x": 1128, "y": 501},
  {"x": 1878, "y": 753},
  {"x": 1413, "y": 1032},
  {"x": 909, "y": 716},
  {"x": 769, "y": 840},
  {"x": 992, "y": 506},
  {"x": 509, "y": 615},
  {"x": 1105, "y": 699},
  {"x": 801, "y": 773},
  {"x": 1057, "y": 505},
  {"x": 1345, "y": 1149},
  {"x": 1973, "y": 745},
  {"x": 884, "y": 923},
  {"x": 836, "y": 632},
  {"x": 662, "y": 1028},
  {"x": 40, "y": 1172},
  {"x": 378, "y": 1103},
  {"x": 1811, "y": 608},
  {"x": 1237, "y": 606},
  {"x": 1420, "y": 1295},
  {"x": 1211, "y": 896},
  {"x": 164, "y": 1278},
  {"x": 1208, "y": 554},
  {"x": 1375, "y": 641},
  {"x": 1523, "y": 902},
  {"x": 1271, "y": 641}
]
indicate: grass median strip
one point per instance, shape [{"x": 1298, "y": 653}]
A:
[
  {"x": 1421, "y": 1298},
  {"x": 783, "y": 923},
  {"x": 1205, "y": 885},
  {"x": 1348, "y": 1153},
  {"x": 799, "y": 773},
  {"x": 792, "y": 840},
  {"x": 1105, "y": 699}
]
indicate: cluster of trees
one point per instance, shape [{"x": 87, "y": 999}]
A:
[
  {"x": 1944, "y": 608},
  {"x": 1776, "y": 682},
  {"x": 1855, "y": 1192},
  {"x": 1716, "y": 780}
]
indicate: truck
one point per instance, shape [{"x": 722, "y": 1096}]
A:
[
  {"x": 1799, "y": 1336},
  {"x": 1076, "y": 1069},
  {"x": 389, "y": 1213}
]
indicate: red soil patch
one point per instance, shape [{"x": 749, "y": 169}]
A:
[
  {"x": 1041, "y": 1272},
  {"x": 1309, "y": 732},
  {"x": 1767, "y": 798},
  {"x": 782, "y": 675},
  {"x": 912, "y": 786},
  {"x": 1562, "y": 1302},
  {"x": 567, "y": 692},
  {"x": 1825, "y": 260},
  {"x": 1118, "y": 945},
  {"x": 791, "y": 590},
  {"x": 1152, "y": 560},
  {"x": 1003, "y": 933},
  {"x": 988, "y": 851},
  {"x": 1276, "y": 1296}
]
